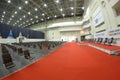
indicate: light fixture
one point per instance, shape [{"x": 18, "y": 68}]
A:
[
  {"x": 36, "y": 9},
  {"x": 15, "y": 12},
  {"x": 43, "y": 14},
  {"x": 20, "y": 19},
  {"x": 57, "y": 1},
  {"x": 26, "y": 2},
  {"x": 72, "y": 13},
  {"x": 41, "y": 19},
  {"x": 2, "y": 15},
  {"x": 83, "y": 8},
  {"x": 4, "y": 12},
  {"x": 29, "y": 13},
  {"x": 48, "y": 17},
  {"x": 36, "y": 16},
  {"x": 10, "y": 19},
  {"x": 71, "y": 8},
  {"x": 12, "y": 16},
  {"x": 20, "y": 8},
  {"x": 31, "y": 19},
  {"x": 55, "y": 16},
  {"x": 45, "y": 5},
  {"x": 9, "y": 1},
  {"x": 63, "y": 15},
  {"x": 24, "y": 16},
  {"x": 61, "y": 9}
]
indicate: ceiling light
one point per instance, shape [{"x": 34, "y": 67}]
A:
[
  {"x": 32, "y": 22},
  {"x": 71, "y": 8},
  {"x": 48, "y": 17},
  {"x": 43, "y": 14},
  {"x": 57, "y": 1},
  {"x": 31, "y": 19},
  {"x": 12, "y": 16},
  {"x": 72, "y": 13},
  {"x": 45, "y": 5},
  {"x": 36, "y": 16},
  {"x": 23, "y": 22},
  {"x": 26, "y": 2},
  {"x": 36, "y": 9},
  {"x": 41, "y": 19},
  {"x": 2, "y": 15},
  {"x": 55, "y": 16},
  {"x": 29, "y": 13},
  {"x": 24, "y": 16},
  {"x": 82, "y": 7},
  {"x": 63, "y": 14},
  {"x": 61, "y": 9},
  {"x": 20, "y": 19},
  {"x": 37, "y": 21},
  {"x": 4, "y": 12},
  {"x": 15, "y": 12},
  {"x": 27, "y": 21},
  {"x": 17, "y": 21},
  {"x": 20, "y": 8},
  {"x": 9, "y": 1}
]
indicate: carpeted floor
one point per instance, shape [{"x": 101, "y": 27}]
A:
[{"x": 72, "y": 62}]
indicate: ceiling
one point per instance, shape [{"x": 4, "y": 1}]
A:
[{"x": 24, "y": 13}]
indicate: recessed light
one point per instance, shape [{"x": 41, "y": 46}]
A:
[
  {"x": 15, "y": 12},
  {"x": 71, "y": 8},
  {"x": 9, "y": 1},
  {"x": 24, "y": 16},
  {"x": 20, "y": 19},
  {"x": 57, "y": 1},
  {"x": 45, "y": 5},
  {"x": 61, "y": 9},
  {"x": 2, "y": 15},
  {"x": 36, "y": 16},
  {"x": 43, "y": 14},
  {"x": 26, "y": 2},
  {"x": 20, "y": 8},
  {"x": 36, "y": 9},
  {"x": 41, "y": 19},
  {"x": 12, "y": 16},
  {"x": 29, "y": 13},
  {"x": 31, "y": 19},
  {"x": 63, "y": 14},
  {"x": 72, "y": 13},
  {"x": 48, "y": 17},
  {"x": 4, "y": 12},
  {"x": 55, "y": 16}
]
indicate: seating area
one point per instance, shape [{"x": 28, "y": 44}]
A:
[
  {"x": 104, "y": 44},
  {"x": 18, "y": 55}
]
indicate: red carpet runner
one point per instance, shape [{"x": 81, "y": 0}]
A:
[{"x": 72, "y": 62}]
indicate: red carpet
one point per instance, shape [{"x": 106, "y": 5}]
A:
[{"x": 72, "y": 62}]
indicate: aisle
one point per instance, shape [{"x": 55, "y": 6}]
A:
[{"x": 72, "y": 62}]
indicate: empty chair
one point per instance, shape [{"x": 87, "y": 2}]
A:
[
  {"x": 27, "y": 54},
  {"x": 7, "y": 59},
  {"x": 20, "y": 51},
  {"x": 110, "y": 41}
]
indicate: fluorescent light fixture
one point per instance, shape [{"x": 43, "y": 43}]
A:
[
  {"x": 2, "y": 15},
  {"x": 82, "y": 7},
  {"x": 31, "y": 19},
  {"x": 48, "y": 17},
  {"x": 72, "y": 13},
  {"x": 15, "y": 12},
  {"x": 24, "y": 16},
  {"x": 20, "y": 19}
]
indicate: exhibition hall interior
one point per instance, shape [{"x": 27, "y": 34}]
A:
[{"x": 59, "y": 39}]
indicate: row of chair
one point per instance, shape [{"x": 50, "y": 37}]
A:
[{"x": 22, "y": 49}]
